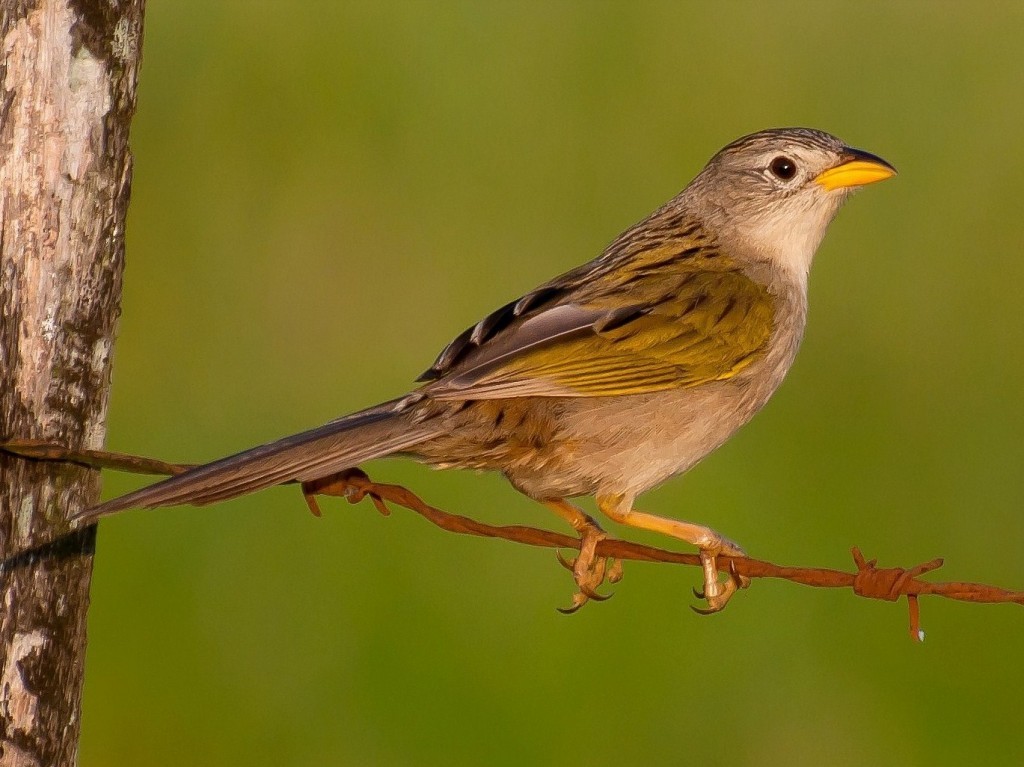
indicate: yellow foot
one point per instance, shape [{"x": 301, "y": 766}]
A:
[
  {"x": 588, "y": 569},
  {"x": 711, "y": 545},
  {"x": 716, "y": 593}
]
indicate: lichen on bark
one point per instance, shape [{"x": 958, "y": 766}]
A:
[{"x": 68, "y": 74}]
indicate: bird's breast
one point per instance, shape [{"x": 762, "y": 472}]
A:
[{"x": 629, "y": 444}]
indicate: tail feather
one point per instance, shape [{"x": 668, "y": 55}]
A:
[{"x": 319, "y": 452}]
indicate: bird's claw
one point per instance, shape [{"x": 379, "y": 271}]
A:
[
  {"x": 614, "y": 571},
  {"x": 718, "y": 593},
  {"x": 581, "y": 597},
  {"x": 568, "y": 564},
  {"x": 578, "y": 600},
  {"x": 589, "y": 570}
]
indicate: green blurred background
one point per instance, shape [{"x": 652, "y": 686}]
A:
[{"x": 326, "y": 193}]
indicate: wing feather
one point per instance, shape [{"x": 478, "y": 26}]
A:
[{"x": 696, "y": 321}]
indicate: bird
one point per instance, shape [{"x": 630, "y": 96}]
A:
[{"x": 613, "y": 377}]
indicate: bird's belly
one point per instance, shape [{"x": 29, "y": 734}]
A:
[{"x": 626, "y": 445}]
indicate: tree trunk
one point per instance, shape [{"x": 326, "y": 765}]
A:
[{"x": 67, "y": 95}]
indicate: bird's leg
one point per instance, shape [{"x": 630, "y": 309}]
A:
[
  {"x": 710, "y": 544},
  {"x": 588, "y": 569}
]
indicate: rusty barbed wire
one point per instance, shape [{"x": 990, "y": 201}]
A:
[{"x": 868, "y": 580}]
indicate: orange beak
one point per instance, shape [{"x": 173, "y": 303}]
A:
[{"x": 857, "y": 168}]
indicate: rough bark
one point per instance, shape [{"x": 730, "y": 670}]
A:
[{"x": 67, "y": 95}]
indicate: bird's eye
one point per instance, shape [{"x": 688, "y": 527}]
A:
[{"x": 783, "y": 168}]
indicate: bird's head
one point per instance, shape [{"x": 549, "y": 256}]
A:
[{"x": 771, "y": 195}]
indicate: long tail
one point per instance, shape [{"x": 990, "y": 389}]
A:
[{"x": 319, "y": 452}]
